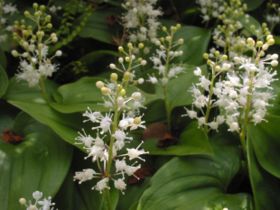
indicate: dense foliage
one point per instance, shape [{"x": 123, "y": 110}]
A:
[{"x": 139, "y": 105}]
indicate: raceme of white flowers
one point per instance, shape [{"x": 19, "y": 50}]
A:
[
  {"x": 6, "y": 11},
  {"x": 210, "y": 8},
  {"x": 39, "y": 202},
  {"x": 107, "y": 144},
  {"x": 141, "y": 20},
  {"x": 242, "y": 94},
  {"x": 166, "y": 52},
  {"x": 35, "y": 61}
]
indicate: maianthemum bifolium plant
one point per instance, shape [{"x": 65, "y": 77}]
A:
[{"x": 152, "y": 105}]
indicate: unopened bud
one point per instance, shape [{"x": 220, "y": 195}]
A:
[
  {"x": 114, "y": 77},
  {"x": 99, "y": 84}
]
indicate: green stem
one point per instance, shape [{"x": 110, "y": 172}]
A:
[
  {"x": 167, "y": 108},
  {"x": 43, "y": 88},
  {"x": 164, "y": 86},
  {"x": 106, "y": 201},
  {"x": 209, "y": 107}
]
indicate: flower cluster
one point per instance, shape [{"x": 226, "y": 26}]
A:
[
  {"x": 210, "y": 8},
  {"x": 107, "y": 146},
  {"x": 164, "y": 56},
  {"x": 39, "y": 202},
  {"x": 35, "y": 62},
  {"x": 6, "y": 11},
  {"x": 226, "y": 34},
  {"x": 240, "y": 88},
  {"x": 272, "y": 15},
  {"x": 141, "y": 20}
]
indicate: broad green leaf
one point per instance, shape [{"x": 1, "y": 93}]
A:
[
  {"x": 192, "y": 141},
  {"x": 197, "y": 183},
  {"x": 30, "y": 101},
  {"x": 196, "y": 43},
  {"x": 40, "y": 162},
  {"x": 265, "y": 186},
  {"x": 98, "y": 28},
  {"x": 253, "y": 4},
  {"x": 4, "y": 81},
  {"x": 77, "y": 96},
  {"x": 266, "y": 144},
  {"x": 250, "y": 25},
  {"x": 178, "y": 88}
]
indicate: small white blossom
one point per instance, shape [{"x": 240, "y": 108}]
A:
[{"x": 39, "y": 202}]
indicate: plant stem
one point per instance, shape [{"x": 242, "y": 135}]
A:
[
  {"x": 167, "y": 108},
  {"x": 43, "y": 88},
  {"x": 209, "y": 105},
  {"x": 164, "y": 86}
]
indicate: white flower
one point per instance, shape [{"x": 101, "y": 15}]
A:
[
  {"x": 40, "y": 203},
  {"x": 153, "y": 80},
  {"x": 120, "y": 184},
  {"x": 134, "y": 153},
  {"x": 9, "y": 9},
  {"x": 197, "y": 71},
  {"x": 92, "y": 116},
  {"x": 85, "y": 175},
  {"x": 37, "y": 195},
  {"x": 120, "y": 165},
  {"x": 85, "y": 139},
  {"x": 102, "y": 185},
  {"x": 130, "y": 170}
]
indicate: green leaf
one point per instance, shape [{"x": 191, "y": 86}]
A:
[
  {"x": 97, "y": 27},
  {"x": 192, "y": 141},
  {"x": 196, "y": 43},
  {"x": 178, "y": 89},
  {"x": 265, "y": 186},
  {"x": 266, "y": 144},
  {"x": 4, "y": 81},
  {"x": 40, "y": 162},
  {"x": 30, "y": 101},
  {"x": 248, "y": 23},
  {"x": 77, "y": 96},
  {"x": 253, "y": 4},
  {"x": 196, "y": 183}
]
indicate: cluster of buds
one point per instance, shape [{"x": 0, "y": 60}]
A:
[
  {"x": 163, "y": 59},
  {"x": 107, "y": 147},
  {"x": 240, "y": 88},
  {"x": 6, "y": 11},
  {"x": 226, "y": 35},
  {"x": 141, "y": 20},
  {"x": 35, "y": 63},
  {"x": 210, "y": 9},
  {"x": 129, "y": 61},
  {"x": 39, "y": 203},
  {"x": 272, "y": 15}
]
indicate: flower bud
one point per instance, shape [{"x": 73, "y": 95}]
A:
[
  {"x": 15, "y": 53},
  {"x": 122, "y": 92},
  {"x": 99, "y": 84},
  {"x": 114, "y": 77},
  {"x": 274, "y": 63},
  {"x": 22, "y": 201},
  {"x": 58, "y": 53},
  {"x": 112, "y": 66},
  {"x": 105, "y": 91},
  {"x": 141, "y": 45}
]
